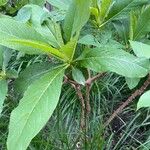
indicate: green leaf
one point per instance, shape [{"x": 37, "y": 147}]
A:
[
  {"x": 3, "y": 92},
  {"x": 35, "y": 109},
  {"x": 39, "y": 20},
  {"x": 122, "y": 27},
  {"x": 11, "y": 74},
  {"x": 69, "y": 48},
  {"x": 78, "y": 76},
  {"x": 104, "y": 9},
  {"x": 1, "y": 57},
  {"x": 61, "y": 5},
  {"x": 144, "y": 100},
  {"x": 142, "y": 25},
  {"x": 43, "y": 47},
  {"x": 133, "y": 23},
  {"x": 140, "y": 49},
  {"x": 31, "y": 74},
  {"x": 38, "y": 2},
  {"x": 24, "y": 14},
  {"x": 3, "y": 2},
  {"x": 119, "y": 8},
  {"x": 89, "y": 39},
  {"x": 22, "y": 37},
  {"x": 77, "y": 16},
  {"x": 132, "y": 82},
  {"x": 114, "y": 60},
  {"x": 5, "y": 55}
]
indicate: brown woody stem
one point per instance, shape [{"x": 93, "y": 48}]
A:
[{"x": 138, "y": 92}]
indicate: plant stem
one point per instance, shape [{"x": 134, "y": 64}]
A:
[
  {"x": 138, "y": 92},
  {"x": 92, "y": 79},
  {"x": 77, "y": 88},
  {"x": 80, "y": 95}
]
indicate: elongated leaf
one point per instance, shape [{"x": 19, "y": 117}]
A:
[
  {"x": 140, "y": 49},
  {"x": 115, "y": 60},
  {"x": 3, "y": 92},
  {"x": 34, "y": 110},
  {"x": 30, "y": 74},
  {"x": 22, "y": 37},
  {"x": 143, "y": 24},
  {"x": 44, "y": 48},
  {"x": 144, "y": 100},
  {"x": 78, "y": 14}
]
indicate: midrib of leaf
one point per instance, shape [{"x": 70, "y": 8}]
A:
[
  {"x": 29, "y": 114},
  {"x": 39, "y": 45},
  {"x": 116, "y": 14}
]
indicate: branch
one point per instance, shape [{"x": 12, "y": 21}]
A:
[
  {"x": 138, "y": 92},
  {"x": 91, "y": 80}
]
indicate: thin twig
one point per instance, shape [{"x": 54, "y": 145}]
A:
[
  {"x": 91, "y": 80},
  {"x": 88, "y": 107},
  {"x": 138, "y": 92}
]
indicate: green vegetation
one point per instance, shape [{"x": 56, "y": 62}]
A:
[{"x": 75, "y": 74}]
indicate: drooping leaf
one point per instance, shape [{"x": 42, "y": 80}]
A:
[
  {"x": 34, "y": 109},
  {"x": 132, "y": 82},
  {"x": 76, "y": 17},
  {"x": 24, "y": 14},
  {"x": 3, "y": 92},
  {"x": 78, "y": 76},
  {"x": 144, "y": 100},
  {"x": 114, "y": 60},
  {"x": 31, "y": 74},
  {"x": 22, "y": 37},
  {"x": 143, "y": 24},
  {"x": 140, "y": 49}
]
